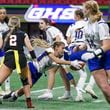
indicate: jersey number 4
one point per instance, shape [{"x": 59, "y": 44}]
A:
[{"x": 13, "y": 39}]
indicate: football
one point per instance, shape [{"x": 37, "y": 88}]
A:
[{"x": 81, "y": 63}]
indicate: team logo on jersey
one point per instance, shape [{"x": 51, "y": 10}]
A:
[{"x": 57, "y": 13}]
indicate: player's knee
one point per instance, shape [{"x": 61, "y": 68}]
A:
[
  {"x": 69, "y": 76},
  {"x": 24, "y": 81}
]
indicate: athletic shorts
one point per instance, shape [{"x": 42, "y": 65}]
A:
[
  {"x": 100, "y": 63},
  {"x": 2, "y": 53},
  {"x": 35, "y": 75},
  {"x": 9, "y": 60}
]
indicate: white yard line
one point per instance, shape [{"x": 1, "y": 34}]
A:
[
  {"x": 37, "y": 91},
  {"x": 98, "y": 101}
]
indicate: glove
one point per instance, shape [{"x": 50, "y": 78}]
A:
[
  {"x": 36, "y": 64},
  {"x": 76, "y": 64},
  {"x": 28, "y": 56},
  {"x": 87, "y": 56}
]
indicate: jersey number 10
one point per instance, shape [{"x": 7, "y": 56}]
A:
[{"x": 78, "y": 34}]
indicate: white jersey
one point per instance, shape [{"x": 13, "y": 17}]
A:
[
  {"x": 75, "y": 31},
  {"x": 3, "y": 27},
  {"x": 95, "y": 33},
  {"x": 52, "y": 32},
  {"x": 45, "y": 62}
]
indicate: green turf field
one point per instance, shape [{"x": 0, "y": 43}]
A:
[{"x": 55, "y": 104}]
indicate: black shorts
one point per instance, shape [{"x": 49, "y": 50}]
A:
[{"x": 9, "y": 60}]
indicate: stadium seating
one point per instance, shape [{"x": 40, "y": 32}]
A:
[
  {"x": 42, "y": 1},
  {"x": 74, "y": 2},
  {"x": 17, "y": 2}
]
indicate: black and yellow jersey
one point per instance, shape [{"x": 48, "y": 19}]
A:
[{"x": 15, "y": 41}]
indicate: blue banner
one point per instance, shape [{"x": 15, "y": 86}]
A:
[{"x": 57, "y": 13}]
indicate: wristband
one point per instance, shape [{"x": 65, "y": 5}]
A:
[
  {"x": 32, "y": 53},
  {"x": 98, "y": 52}
]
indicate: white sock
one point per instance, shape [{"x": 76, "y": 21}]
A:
[
  {"x": 91, "y": 81},
  {"x": 82, "y": 79},
  {"x": 78, "y": 91},
  {"x": 67, "y": 93},
  {"x": 7, "y": 84},
  {"x": 49, "y": 90}
]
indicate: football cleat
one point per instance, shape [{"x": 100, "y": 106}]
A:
[
  {"x": 7, "y": 96},
  {"x": 13, "y": 98},
  {"x": 90, "y": 91},
  {"x": 65, "y": 97},
  {"x": 46, "y": 96},
  {"x": 79, "y": 98}
]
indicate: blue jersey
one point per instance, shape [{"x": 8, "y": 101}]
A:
[{"x": 71, "y": 55}]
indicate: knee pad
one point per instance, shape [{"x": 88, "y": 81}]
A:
[{"x": 24, "y": 81}]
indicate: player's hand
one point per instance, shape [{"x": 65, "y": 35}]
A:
[
  {"x": 76, "y": 64},
  {"x": 87, "y": 56}
]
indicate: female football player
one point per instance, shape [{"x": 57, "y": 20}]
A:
[
  {"x": 3, "y": 28},
  {"x": 98, "y": 37},
  {"x": 50, "y": 58},
  {"x": 12, "y": 42}
]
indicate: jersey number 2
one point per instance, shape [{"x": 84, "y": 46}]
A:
[{"x": 13, "y": 39}]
